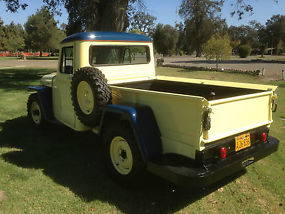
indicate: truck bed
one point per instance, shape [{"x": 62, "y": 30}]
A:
[
  {"x": 209, "y": 92},
  {"x": 235, "y": 107}
]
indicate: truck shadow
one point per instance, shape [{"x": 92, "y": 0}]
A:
[
  {"x": 75, "y": 160},
  {"x": 20, "y": 79}
]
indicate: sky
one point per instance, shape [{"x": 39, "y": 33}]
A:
[{"x": 164, "y": 10}]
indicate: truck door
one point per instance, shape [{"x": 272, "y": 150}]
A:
[{"x": 62, "y": 104}]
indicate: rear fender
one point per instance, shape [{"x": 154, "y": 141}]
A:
[
  {"x": 143, "y": 124},
  {"x": 45, "y": 99}
]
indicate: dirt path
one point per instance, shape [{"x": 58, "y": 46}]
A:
[{"x": 273, "y": 71}]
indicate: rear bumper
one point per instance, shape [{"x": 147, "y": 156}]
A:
[{"x": 202, "y": 176}]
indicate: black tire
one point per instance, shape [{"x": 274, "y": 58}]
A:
[
  {"x": 130, "y": 176},
  {"x": 101, "y": 94},
  {"x": 35, "y": 111}
]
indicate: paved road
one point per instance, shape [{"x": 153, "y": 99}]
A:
[
  {"x": 273, "y": 71},
  {"x": 28, "y": 63}
]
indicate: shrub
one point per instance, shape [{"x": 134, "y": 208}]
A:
[
  {"x": 244, "y": 51},
  {"x": 218, "y": 48}
]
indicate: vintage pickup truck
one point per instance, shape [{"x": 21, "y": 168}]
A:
[{"x": 189, "y": 131}]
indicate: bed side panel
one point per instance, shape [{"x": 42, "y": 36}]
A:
[{"x": 178, "y": 116}]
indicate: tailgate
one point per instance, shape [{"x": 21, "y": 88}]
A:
[{"x": 237, "y": 114}]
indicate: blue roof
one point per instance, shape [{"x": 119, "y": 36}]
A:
[{"x": 106, "y": 36}]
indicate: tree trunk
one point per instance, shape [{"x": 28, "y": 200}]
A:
[
  {"x": 198, "y": 52},
  {"x": 100, "y": 15},
  {"x": 112, "y": 15}
]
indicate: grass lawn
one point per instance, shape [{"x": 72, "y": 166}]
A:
[
  {"x": 30, "y": 58},
  {"x": 9, "y": 58},
  {"x": 57, "y": 170}
]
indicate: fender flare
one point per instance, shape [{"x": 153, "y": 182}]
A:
[
  {"x": 143, "y": 124},
  {"x": 45, "y": 99}
]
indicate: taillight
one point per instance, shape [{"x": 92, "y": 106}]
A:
[
  {"x": 223, "y": 153},
  {"x": 264, "y": 137}
]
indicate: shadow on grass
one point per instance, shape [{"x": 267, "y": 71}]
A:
[
  {"x": 20, "y": 79},
  {"x": 75, "y": 160}
]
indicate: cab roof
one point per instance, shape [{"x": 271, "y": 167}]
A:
[{"x": 106, "y": 36}]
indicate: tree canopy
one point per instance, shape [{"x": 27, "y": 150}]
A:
[
  {"x": 111, "y": 15},
  {"x": 14, "y": 34},
  {"x": 218, "y": 48},
  {"x": 199, "y": 18},
  {"x": 42, "y": 31},
  {"x": 165, "y": 38},
  {"x": 142, "y": 21}
]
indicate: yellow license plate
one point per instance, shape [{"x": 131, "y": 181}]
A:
[{"x": 242, "y": 141}]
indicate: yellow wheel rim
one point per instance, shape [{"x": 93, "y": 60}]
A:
[
  {"x": 121, "y": 155},
  {"x": 85, "y": 97},
  {"x": 36, "y": 112}
]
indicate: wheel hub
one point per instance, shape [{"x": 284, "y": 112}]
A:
[
  {"x": 121, "y": 155},
  {"x": 85, "y": 97},
  {"x": 36, "y": 112}
]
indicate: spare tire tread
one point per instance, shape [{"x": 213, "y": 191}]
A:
[{"x": 100, "y": 89}]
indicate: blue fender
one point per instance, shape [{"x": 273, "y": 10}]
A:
[
  {"x": 45, "y": 99},
  {"x": 144, "y": 126}
]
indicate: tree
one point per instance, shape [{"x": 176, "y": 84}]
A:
[
  {"x": 198, "y": 16},
  {"x": 42, "y": 31},
  {"x": 275, "y": 27},
  {"x": 181, "y": 46},
  {"x": 195, "y": 39},
  {"x": 108, "y": 15},
  {"x": 218, "y": 48},
  {"x": 141, "y": 21},
  {"x": 2, "y": 36},
  {"x": 165, "y": 38},
  {"x": 253, "y": 35},
  {"x": 85, "y": 15},
  {"x": 244, "y": 51},
  {"x": 14, "y": 37},
  {"x": 14, "y": 5}
]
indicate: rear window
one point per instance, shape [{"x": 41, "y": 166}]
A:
[{"x": 119, "y": 55}]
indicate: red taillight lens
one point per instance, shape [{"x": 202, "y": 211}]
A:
[
  {"x": 264, "y": 137},
  {"x": 223, "y": 153}
]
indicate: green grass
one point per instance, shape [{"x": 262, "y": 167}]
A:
[
  {"x": 8, "y": 58},
  {"x": 57, "y": 170},
  {"x": 30, "y": 58}
]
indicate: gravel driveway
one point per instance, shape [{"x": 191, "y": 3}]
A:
[{"x": 273, "y": 71}]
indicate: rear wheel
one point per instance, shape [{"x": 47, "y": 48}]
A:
[
  {"x": 35, "y": 112},
  {"x": 123, "y": 158}
]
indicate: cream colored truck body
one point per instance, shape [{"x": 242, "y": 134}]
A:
[{"x": 179, "y": 116}]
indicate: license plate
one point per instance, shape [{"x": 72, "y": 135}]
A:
[{"x": 242, "y": 141}]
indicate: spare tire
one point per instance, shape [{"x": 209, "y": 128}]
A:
[{"x": 89, "y": 93}]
